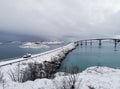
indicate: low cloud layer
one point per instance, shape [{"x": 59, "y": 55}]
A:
[{"x": 57, "y": 19}]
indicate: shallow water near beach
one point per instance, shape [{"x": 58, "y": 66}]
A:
[{"x": 87, "y": 56}]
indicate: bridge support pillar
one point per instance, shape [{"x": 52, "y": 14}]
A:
[
  {"x": 115, "y": 41},
  {"x": 100, "y": 43},
  {"x": 91, "y": 42},
  {"x": 86, "y": 42},
  {"x": 81, "y": 43}
]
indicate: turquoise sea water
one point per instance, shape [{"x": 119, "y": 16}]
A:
[{"x": 87, "y": 56}]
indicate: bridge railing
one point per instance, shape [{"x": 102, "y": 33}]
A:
[{"x": 7, "y": 59}]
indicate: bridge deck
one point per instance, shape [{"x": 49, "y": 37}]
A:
[{"x": 100, "y": 39}]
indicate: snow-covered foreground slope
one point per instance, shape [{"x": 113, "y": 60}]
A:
[{"x": 91, "y": 78}]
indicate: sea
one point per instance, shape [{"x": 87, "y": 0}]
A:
[
  {"x": 93, "y": 55},
  {"x": 11, "y": 50},
  {"x": 83, "y": 56}
]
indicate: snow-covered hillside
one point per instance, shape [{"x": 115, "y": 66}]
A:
[
  {"x": 36, "y": 45},
  {"x": 33, "y": 45},
  {"x": 116, "y": 36},
  {"x": 91, "y": 78},
  {"x": 52, "y": 42}
]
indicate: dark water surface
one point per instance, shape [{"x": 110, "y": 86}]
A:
[
  {"x": 87, "y": 56},
  {"x": 10, "y": 50}
]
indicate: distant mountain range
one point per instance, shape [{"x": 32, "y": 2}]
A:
[{"x": 8, "y": 36}]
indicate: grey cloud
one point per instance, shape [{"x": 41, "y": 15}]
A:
[
  {"x": 111, "y": 26},
  {"x": 59, "y": 18}
]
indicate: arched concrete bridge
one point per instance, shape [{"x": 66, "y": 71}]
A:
[{"x": 115, "y": 40}]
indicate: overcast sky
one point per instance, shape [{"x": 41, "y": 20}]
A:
[{"x": 61, "y": 18}]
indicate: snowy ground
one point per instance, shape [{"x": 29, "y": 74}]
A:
[
  {"x": 91, "y": 78},
  {"x": 33, "y": 45},
  {"x": 36, "y": 45},
  {"x": 52, "y": 42}
]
